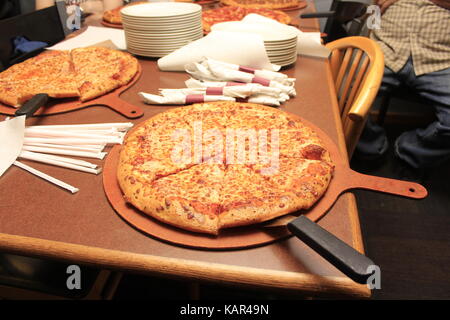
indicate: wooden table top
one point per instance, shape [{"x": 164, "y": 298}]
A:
[{"x": 39, "y": 219}]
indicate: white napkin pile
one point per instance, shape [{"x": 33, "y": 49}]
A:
[
  {"x": 214, "y": 80},
  {"x": 239, "y": 48}
]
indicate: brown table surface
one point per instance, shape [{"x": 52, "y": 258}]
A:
[{"x": 39, "y": 219}]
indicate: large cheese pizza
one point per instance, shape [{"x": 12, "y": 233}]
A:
[
  {"x": 211, "y": 166},
  {"x": 83, "y": 73}
]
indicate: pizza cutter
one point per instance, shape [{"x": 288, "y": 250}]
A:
[
  {"x": 345, "y": 258},
  {"x": 32, "y": 105}
]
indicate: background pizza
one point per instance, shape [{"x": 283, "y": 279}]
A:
[
  {"x": 269, "y": 4},
  {"x": 235, "y": 13},
  {"x": 217, "y": 190},
  {"x": 85, "y": 73},
  {"x": 113, "y": 16}
]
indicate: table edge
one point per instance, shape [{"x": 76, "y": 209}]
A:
[{"x": 183, "y": 268}]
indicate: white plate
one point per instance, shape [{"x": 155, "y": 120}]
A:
[
  {"x": 278, "y": 48},
  {"x": 183, "y": 28},
  {"x": 150, "y": 51},
  {"x": 168, "y": 21},
  {"x": 291, "y": 40},
  {"x": 163, "y": 33},
  {"x": 282, "y": 56},
  {"x": 284, "y": 62},
  {"x": 267, "y": 32},
  {"x": 162, "y": 43},
  {"x": 164, "y": 40},
  {"x": 278, "y": 52},
  {"x": 161, "y": 9},
  {"x": 280, "y": 45},
  {"x": 163, "y": 19},
  {"x": 148, "y": 54},
  {"x": 159, "y": 45}
]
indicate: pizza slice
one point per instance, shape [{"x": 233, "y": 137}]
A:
[
  {"x": 248, "y": 198},
  {"x": 306, "y": 179},
  {"x": 51, "y": 72},
  {"x": 188, "y": 199},
  {"x": 51, "y": 63},
  {"x": 101, "y": 70},
  {"x": 304, "y": 144},
  {"x": 17, "y": 92}
]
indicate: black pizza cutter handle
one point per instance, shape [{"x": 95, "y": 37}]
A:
[
  {"x": 32, "y": 105},
  {"x": 349, "y": 261}
]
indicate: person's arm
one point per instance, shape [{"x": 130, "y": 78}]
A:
[
  {"x": 442, "y": 3},
  {"x": 41, "y": 4}
]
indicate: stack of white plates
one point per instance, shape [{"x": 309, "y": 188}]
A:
[
  {"x": 280, "y": 43},
  {"x": 156, "y": 29}
]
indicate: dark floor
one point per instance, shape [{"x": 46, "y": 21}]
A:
[{"x": 408, "y": 239}]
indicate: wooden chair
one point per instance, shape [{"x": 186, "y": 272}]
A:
[
  {"x": 357, "y": 67},
  {"x": 345, "y": 18},
  {"x": 27, "y": 278}
]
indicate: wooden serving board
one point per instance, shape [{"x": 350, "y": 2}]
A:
[
  {"x": 111, "y": 100},
  {"x": 344, "y": 179}
]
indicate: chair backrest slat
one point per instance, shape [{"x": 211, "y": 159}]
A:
[
  {"x": 343, "y": 70},
  {"x": 335, "y": 62},
  {"x": 348, "y": 82},
  {"x": 357, "y": 66},
  {"x": 362, "y": 72}
]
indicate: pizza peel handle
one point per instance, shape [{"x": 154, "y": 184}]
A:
[
  {"x": 345, "y": 258},
  {"x": 121, "y": 106},
  {"x": 32, "y": 105},
  {"x": 407, "y": 189}
]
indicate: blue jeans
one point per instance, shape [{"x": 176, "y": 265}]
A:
[{"x": 420, "y": 148}]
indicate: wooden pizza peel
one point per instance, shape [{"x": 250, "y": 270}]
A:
[
  {"x": 344, "y": 179},
  {"x": 111, "y": 100}
]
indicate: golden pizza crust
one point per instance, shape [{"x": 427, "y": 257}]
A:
[{"x": 209, "y": 196}]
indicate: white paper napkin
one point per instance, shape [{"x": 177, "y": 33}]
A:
[
  {"x": 238, "y": 48},
  {"x": 178, "y": 97},
  {"x": 308, "y": 43},
  {"x": 11, "y": 141},
  {"x": 213, "y": 72},
  {"x": 92, "y": 36}
]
